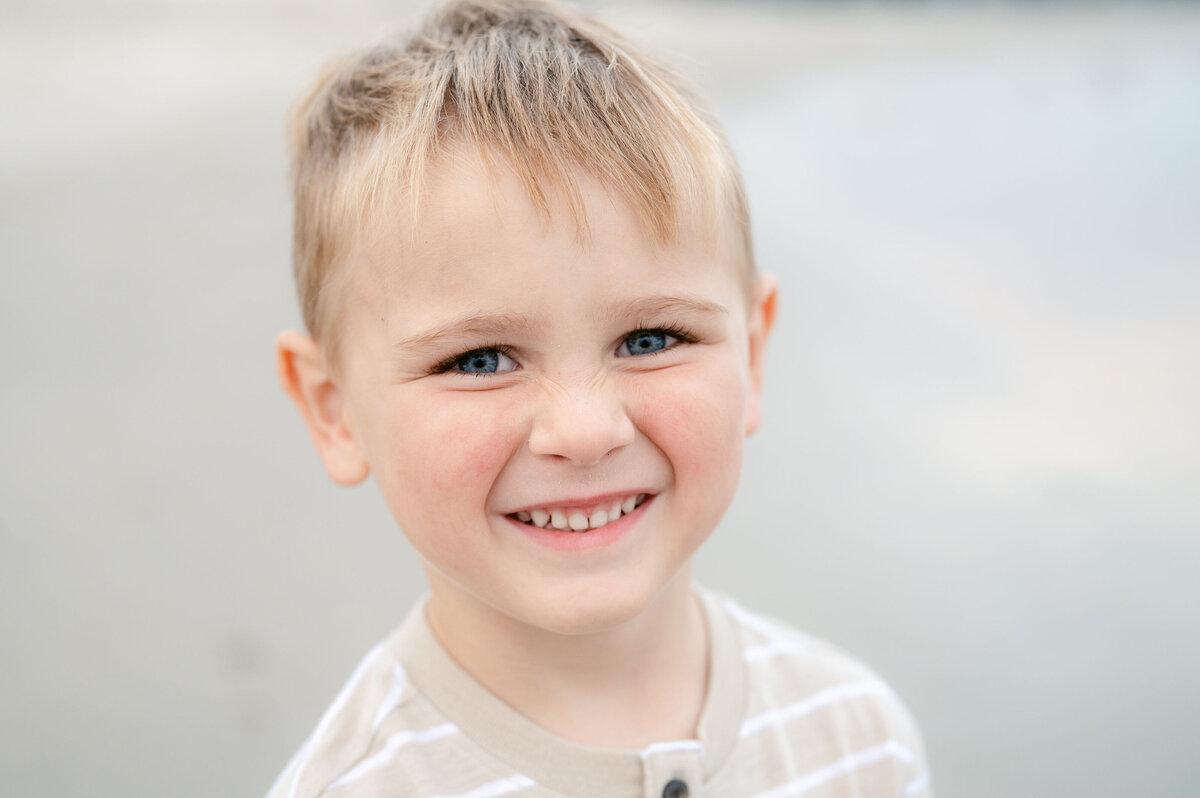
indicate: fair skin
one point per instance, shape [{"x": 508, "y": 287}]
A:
[{"x": 500, "y": 376}]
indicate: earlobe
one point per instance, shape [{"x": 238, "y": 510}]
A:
[
  {"x": 305, "y": 377},
  {"x": 762, "y": 319}
]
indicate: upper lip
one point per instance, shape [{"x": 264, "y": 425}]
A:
[{"x": 600, "y": 499}]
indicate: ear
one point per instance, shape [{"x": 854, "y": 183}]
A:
[
  {"x": 762, "y": 319},
  {"x": 305, "y": 376}
]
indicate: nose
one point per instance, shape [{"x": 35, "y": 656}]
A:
[{"x": 580, "y": 423}]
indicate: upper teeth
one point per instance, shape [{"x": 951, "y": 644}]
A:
[{"x": 578, "y": 520}]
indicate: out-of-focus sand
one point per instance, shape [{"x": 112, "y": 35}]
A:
[{"x": 978, "y": 468}]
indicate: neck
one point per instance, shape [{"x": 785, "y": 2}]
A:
[{"x": 639, "y": 682}]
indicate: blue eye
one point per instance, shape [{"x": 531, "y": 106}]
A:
[
  {"x": 645, "y": 342},
  {"x": 482, "y": 361}
]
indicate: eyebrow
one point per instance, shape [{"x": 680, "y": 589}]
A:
[
  {"x": 489, "y": 325},
  {"x": 654, "y": 305},
  {"x": 497, "y": 325}
]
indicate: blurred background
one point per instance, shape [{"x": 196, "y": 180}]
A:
[{"x": 980, "y": 459}]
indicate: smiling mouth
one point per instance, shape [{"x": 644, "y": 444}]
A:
[{"x": 576, "y": 519}]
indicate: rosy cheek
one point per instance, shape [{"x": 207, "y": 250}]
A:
[
  {"x": 700, "y": 433},
  {"x": 682, "y": 405},
  {"x": 470, "y": 438}
]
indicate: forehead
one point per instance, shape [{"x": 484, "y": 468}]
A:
[{"x": 477, "y": 225}]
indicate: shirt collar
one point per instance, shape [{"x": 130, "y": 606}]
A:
[{"x": 557, "y": 764}]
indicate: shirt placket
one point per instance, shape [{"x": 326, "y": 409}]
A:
[{"x": 673, "y": 770}]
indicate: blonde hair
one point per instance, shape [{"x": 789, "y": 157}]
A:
[{"x": 542, "y": 86}]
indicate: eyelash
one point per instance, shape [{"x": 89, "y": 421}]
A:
[
  {"x": 681, "y": 335},
  {"x": 674, "y": 330},
  {"x": 449, "y": 363}
]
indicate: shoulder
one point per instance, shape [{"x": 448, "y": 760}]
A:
[
  {"x": 800, "y": 687},
  {"x": 355, "y": 735}
]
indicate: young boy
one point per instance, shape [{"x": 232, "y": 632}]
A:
[{"x": 524, "y": 262}]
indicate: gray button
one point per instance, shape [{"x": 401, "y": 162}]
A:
[{"x": 675, "y": 789}]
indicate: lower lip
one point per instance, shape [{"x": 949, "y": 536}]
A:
[{"x": 561, "y": 540}]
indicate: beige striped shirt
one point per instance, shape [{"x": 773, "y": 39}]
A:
[{"x": 786, "y": 715}]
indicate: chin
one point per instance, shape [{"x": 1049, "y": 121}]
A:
[
  {"x": 595, "y": 610},
  {"x": 589, "y": 620}
]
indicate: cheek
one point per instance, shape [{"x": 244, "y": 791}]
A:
[
  {"x": 698, "y": 422},
  {"x": 466, "y": 457},
  {"x": 466, "y": 439}
]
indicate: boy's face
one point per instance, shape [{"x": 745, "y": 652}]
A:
[{"x": 496, "y": 371}]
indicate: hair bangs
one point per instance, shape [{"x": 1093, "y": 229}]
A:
[{"x": 541, "y": 87}]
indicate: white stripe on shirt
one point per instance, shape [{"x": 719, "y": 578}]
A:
[
  {"x": 393, "y": 744},
  {"x": 335, "y": 708},
  {"x": 819, "y": 699},
  {"x": 917, "y": 786},
  {"x": 850, "y": 762},
  {"x": 755, "y": 623},
  {"x": 773, "y": 648},
  {"x": 392, "y": 700}
]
